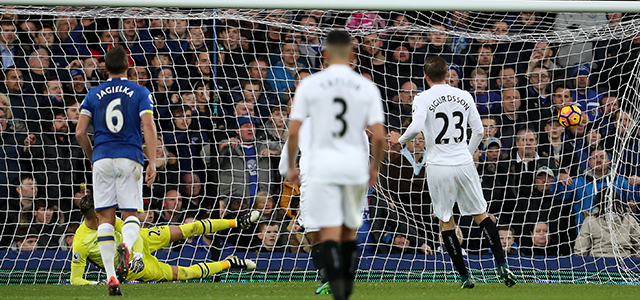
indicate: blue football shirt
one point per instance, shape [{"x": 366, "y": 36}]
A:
[{"x": 115, "y": 108}]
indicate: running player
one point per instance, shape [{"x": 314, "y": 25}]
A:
[
  {"x": 116, "y": 109},
  {"x": 442, "y": 114},
  {"x": 341, "y": 105},
  {"x": 148, "y": 268}
]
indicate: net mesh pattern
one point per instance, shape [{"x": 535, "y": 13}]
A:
[{"x": 559, "y": 196}]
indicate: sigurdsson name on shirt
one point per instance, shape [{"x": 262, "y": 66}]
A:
[
  {"x": 448, "y": 98},
  {"x": 115, "y": 89}
]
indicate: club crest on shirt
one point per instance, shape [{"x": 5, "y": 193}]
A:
[{"x": 76, "y": 256}]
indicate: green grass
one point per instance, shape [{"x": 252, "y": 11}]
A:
[{"x": 304, "y": 290}]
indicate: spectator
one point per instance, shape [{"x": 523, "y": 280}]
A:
[
  {"x": 9, "y": 165},
  {"x": 13, "y": 209},
  {"x": 542, "y": 56},
  {"x": 194, "y": 191},
  {"x": 582, "y": 190},
  {"x": 263, "y": 203},
  {"x": 592, "y": 141},
  {"x": 512, "y": 119},
  {"x": 246, "y": 166},
  {"x": 372, "y": 59},
  {"x": 167, "y": 171},
  {"x": 313, "y": 43},
  {"x": 253, "y": 91},
  {"x": 482, "y": 58},
  {"x": 171, "y": 213},
  {"x": 538, "y": 98},
  {"x": 572, "y": 54},
  {"x": 437, "y": 46},
  {"x": 78, "y": 83},
  {"x": 12, "y": 54},
  {"x": 396, "y": 233},
  {"x": 595, "y": 237},
  {"x": 543, "y": 206},
  {"x": 66, "y": 241},
  {"x": 52, "y": 96},
  {"x": 72, "y": 109},
  {"x": 609, "y": 109},
  {"x": 75, "y": 215},
  {"x": 39, "y": 69},
  {"x": 136, "y": 39},
  {"x": 56, "y": 158},
  {"x": 561, "y": 152},
  {"x": 493, "y": 176},
  {"x": 508, "y": 240},
  {"x": 282, "y": 74},
  {"x": 588, "y": 99},
  {"x": 524, "y": 162},
  {"x": 45, "y": 39},
  {"x": 486, "y": 102},
  {"x": 269, "y": 236},
  {"x": 185, "y": 144},
  {"x": 24, "y": 106},
  {"x": 507, "y": 78},
  {"x": 458, "y": 21},
  {"x": 276, "y": 127},
  {"x": 46, "y": 219},
  {"x": 139, "y": 75},
  {"x": 26, "y": 239},
  {"x": 561, "y": 98},
  {"x": 400, "y": 108},
  {"x": 539, "y": 242},
  {"x": 454, "y": 75}
]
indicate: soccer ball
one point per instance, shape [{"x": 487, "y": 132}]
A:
[{"x": 570, "y": 116}]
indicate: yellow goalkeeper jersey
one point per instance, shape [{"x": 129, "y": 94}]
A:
[{"x": 85, "y": 248}]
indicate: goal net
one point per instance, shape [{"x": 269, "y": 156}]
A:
[{"x": 564, "y": 200}]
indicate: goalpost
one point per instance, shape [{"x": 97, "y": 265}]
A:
[{"x": 224, "y": 62}]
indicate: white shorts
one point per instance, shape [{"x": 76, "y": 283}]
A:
[
  {"x": 117, "y": 182},
  {"x": 451, "y": 184},
  {"x": 304, "y": 210},
  {"x": 331, "y": 205}
]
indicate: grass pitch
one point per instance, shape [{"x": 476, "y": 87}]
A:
[{"x": 304, "y": 290}]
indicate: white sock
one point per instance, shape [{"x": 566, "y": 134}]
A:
[
  {"x": 107, "y": 246},
  {"x": 130, "y": 231}
]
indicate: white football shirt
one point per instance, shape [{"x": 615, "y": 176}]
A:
[
  {"x": 341, "y": 104},
  {"x": 442, "y": 114}
]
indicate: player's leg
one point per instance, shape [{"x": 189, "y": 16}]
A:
[
  {"x": 353, "y": 200},
  {"x": 472, "y": 202},
  {"x": 129, "y": 195},
  {"x": 208, "y": 226},
  {"x": 313, "y": 235},
  {"x": 203, "y": 270},
  {"x": 324, "y": 203},
  {"x": 492, "y": 236},
  {"x": 443, "y": 190},
  {"x": 104, "y": 195}
]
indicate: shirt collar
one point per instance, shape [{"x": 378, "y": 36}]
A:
[
  {"x": 121, "y": 78},
  {"x": 519, "y": 159}
]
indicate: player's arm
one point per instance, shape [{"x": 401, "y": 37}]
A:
[
  {"x": 477, "y": 130},
  {"x": 283, "y": 165},
  {"x": 79, "y": 263},
  {"x": 292, "y": 147},
  {"x": 82, "y": 136},
  {"x": 418, "y": 116},
  {"x": 150, "y": 138}
]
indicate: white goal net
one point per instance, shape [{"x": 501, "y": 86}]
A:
[{"x": 564, "y": 199}]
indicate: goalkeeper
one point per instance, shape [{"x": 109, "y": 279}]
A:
[{"x": 144, "y": 266}]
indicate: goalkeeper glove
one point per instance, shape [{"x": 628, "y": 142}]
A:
[{"x": 136, "y": 265}]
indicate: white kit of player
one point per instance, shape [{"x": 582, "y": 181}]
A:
[
  {"x": 118, "y": 182},
  {"x": 442, "y": 114},
  {"x": 304, "y": 143},
  {"x": 341, "y": 104}
]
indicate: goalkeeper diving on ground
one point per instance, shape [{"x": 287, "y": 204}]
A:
[{"x": 143, "y": 266}]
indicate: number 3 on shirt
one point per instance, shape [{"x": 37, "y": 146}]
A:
[
  {"x": 340, "y": 117},
  {"x": 111, "y": 113}
]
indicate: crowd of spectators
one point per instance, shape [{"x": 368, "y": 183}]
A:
[{"x": 222, "y": 91}]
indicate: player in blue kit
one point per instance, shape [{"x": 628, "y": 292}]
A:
[{"x": 116, "y": 109}]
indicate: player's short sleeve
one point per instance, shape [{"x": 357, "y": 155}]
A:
[
  {"x": 146, "y": 102},
  {"x": 85, "y": 107},
  {"x": 475, "y": 122},
  {"x": 376, "y": 112},
  {"x": 299, "y": 109}
]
